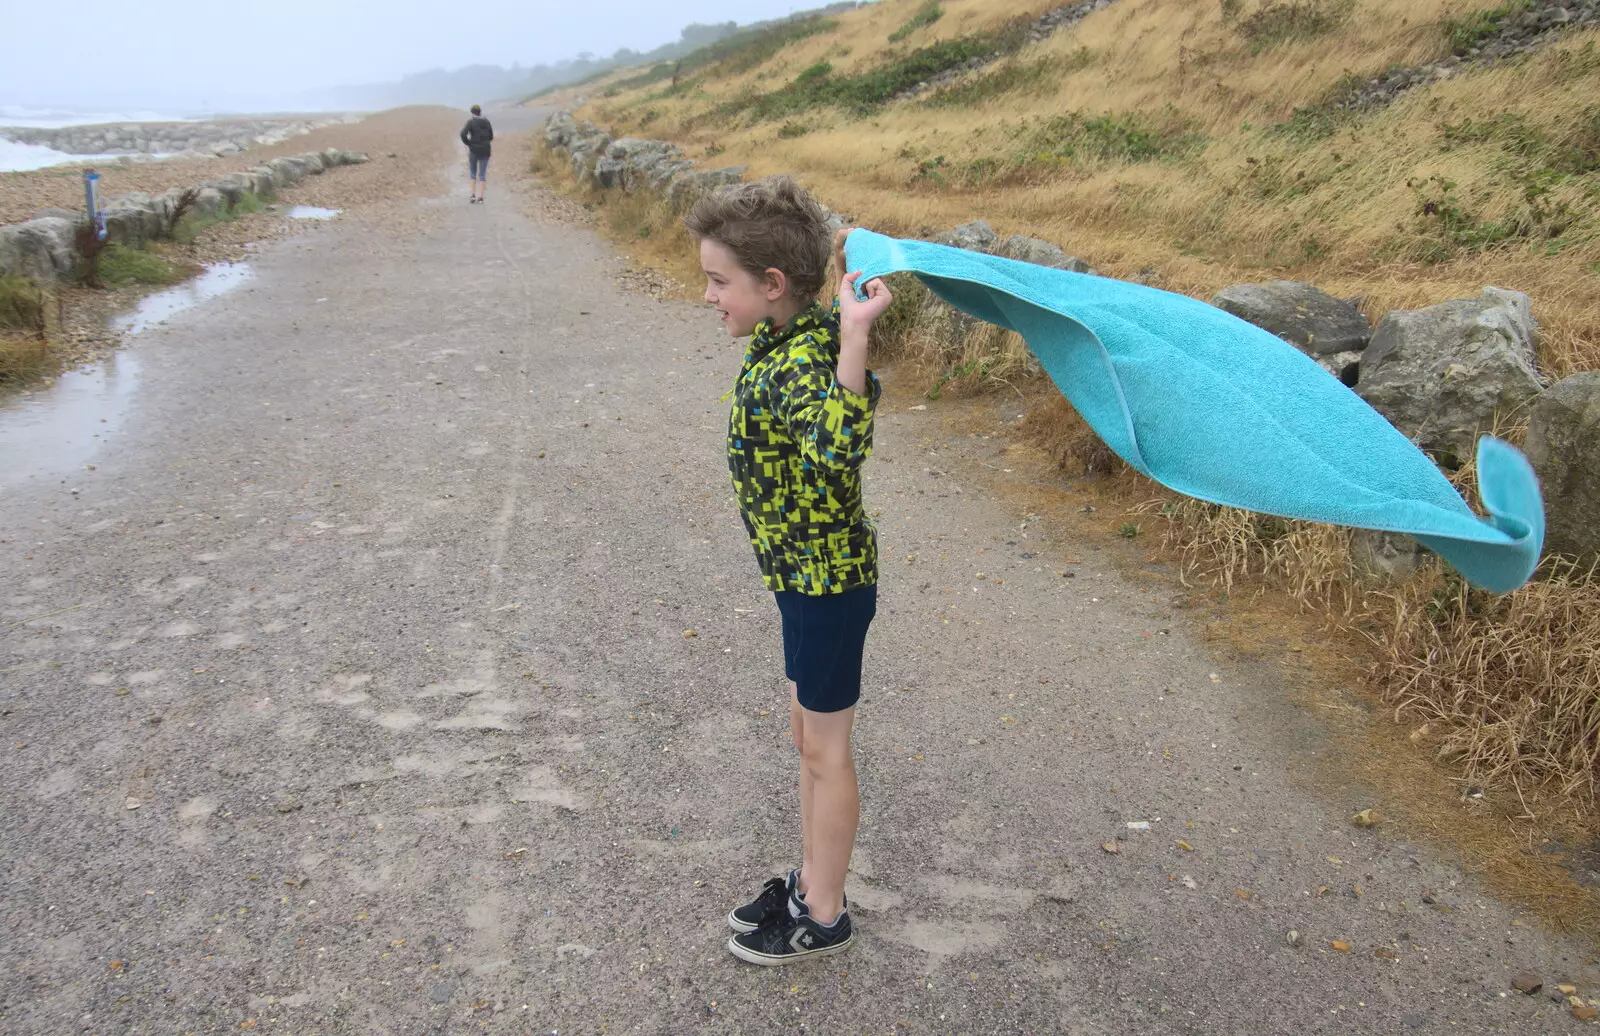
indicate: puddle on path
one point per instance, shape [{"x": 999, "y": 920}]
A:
[
  {"x": 154, "y": 309},
  {"x": 54, "y": 433},
  {"x": 312, "y": 212}
]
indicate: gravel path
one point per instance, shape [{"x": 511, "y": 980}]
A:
[{"x": 401, "y": 667}]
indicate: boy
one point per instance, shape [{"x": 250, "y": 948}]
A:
[
  {"x": 799, "y": 431},
  {"x": 477, "y": 134}
]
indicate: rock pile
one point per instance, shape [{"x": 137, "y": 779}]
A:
[
  {"x": 632, "y": 164},
  {"x": 1042, "y": 28},
  {"x": 1531, "y": 30},
  {"x": 43, "y": 249},
  {"x": 218, "y": 138}
]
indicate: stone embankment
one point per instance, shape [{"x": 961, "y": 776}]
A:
[{"x": 45, "y": 249}]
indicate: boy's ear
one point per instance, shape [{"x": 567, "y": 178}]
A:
[{"x": 774, "y": 284}]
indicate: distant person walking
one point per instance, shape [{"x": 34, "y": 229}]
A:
[{"x": 476, "y": 134}]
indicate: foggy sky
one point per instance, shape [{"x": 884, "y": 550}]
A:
[{"x": 187, "y": 54}]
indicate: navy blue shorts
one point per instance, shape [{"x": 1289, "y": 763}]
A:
[
  {"x": 478, "y": 167},
  {"x": 823, "y": 638}
]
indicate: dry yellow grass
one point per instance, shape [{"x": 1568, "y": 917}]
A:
[
  {"x": 1342, "y": 212},
  {"x": 1506, "y": 684},
  {"x": 26, "y": 313}
]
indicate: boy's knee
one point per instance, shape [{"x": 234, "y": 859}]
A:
[{"x": 823, "y": 756}]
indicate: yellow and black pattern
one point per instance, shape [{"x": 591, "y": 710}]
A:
[{"x": 796, "y": 443}]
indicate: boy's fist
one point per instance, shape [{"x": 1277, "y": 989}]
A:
[{"x": 860, "y": 314}]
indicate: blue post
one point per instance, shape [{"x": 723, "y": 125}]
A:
[{"x": 91, "y": 198}]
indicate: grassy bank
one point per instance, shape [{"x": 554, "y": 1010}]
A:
[
  {"x": 25, "y": 322},
  {"x": 1189, "y": 142}
]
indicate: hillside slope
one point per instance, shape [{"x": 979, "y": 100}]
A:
[{"x": 1189, "y": 142}]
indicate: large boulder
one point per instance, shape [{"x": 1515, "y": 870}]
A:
[
  {"x": 1384, "y": 557},
  {"x": 665, "y": 172},
  {"x": 1563, "y": 445},
  {"x": 1441, "y": 374},
  {"x": 1306, "y": 317},
  {"x": 691, "y": 185},
  {"x": 232, "y": 190},
  {"x": 286, "y": 171},
  {"x": 559, "y": 130},
  {"x": 635, "y": 160},
  {"x": 261, "y": 182},
  {"x": 1040, "y": 253},
  {"x": 641, "y": 166},
  {"x": 586, "y": 153},
  {"x": 40, "y": 249},
  {"x": 266, "y": 179},
  {"x": 210, "y": 201},
  {"x": 133, "y": 219},
  {"x": 608, "y": 171},
  {"x": 977, "y": 236}
]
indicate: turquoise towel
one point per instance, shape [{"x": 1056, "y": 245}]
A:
[{"x": 1221, "y": 410}]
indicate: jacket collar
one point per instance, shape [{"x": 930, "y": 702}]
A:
[{"x": 767, "y": 337}]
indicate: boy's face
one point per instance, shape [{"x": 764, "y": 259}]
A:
[{"x": 742, "y": 299}]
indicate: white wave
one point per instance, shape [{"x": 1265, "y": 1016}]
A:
[
  {"x": 51, "y": 118},
  {"x": 16, "y": 157}
]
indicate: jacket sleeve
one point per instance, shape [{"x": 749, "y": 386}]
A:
[
  {"x": 488, "y": 131},
  {"x": 831, "y": 425},
  {"x": 465, "y": 138}
]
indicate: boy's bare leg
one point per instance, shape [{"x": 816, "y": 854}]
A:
[
  {"x": 797, "y": 727},
  {"x": 835, "y": 810}
]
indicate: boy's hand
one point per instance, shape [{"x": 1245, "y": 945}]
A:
[{"x": 858, "y": 315}]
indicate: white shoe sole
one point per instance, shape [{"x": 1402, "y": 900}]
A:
[
  {"x": 767, "y": 960},
  {"x": 738, "y": 925}
]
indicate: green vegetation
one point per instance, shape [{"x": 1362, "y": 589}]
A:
[
  {"x": 1466, "y": 33},
  {"x": 925, "y": 16},
  {"x": 121, "y": 265},
  {"x": 978, "y": 365},
  {"x": 585, "y": 81},
  {"x": 1575, "y": 154},
  {"x": 734, "y": 55},
  {"x": 24, "y": 327},
  {"x": 1015, "y": 77},
  {"x": 1073, "y": 140},
  {"x": 1533, "y": 164},
  {"x": 192, "y": 223},
  {"x": 1076, "y": 138},
  {"x": 1293, "y": 22},
  {"x": 1448, "y": 228},
  {"x": 1313, "y": 122},
  {"x": 22, "y": 305},
  {"x": 864, "y": 92}
]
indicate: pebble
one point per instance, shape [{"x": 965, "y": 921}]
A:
[{"x": 1527, "y": 982}]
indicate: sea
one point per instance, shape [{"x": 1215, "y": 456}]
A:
[{"x": 15, "y": 157}]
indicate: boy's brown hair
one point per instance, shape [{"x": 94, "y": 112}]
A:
[{"x": 772, "y": 223}]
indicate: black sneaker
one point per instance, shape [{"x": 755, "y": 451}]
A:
[
  {"x": 774, "y": 899},
  {"x": 784, "y": 939}
]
